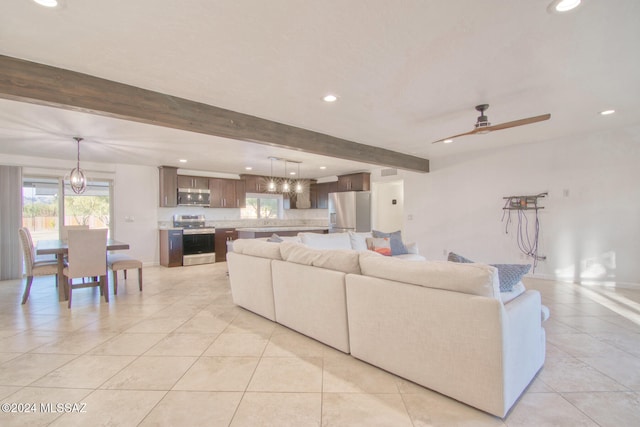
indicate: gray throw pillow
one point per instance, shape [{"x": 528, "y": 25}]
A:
[
  {"x": 274, "y": 238},
  {"x": 508, "y": 274},
  {"x": 397, "y": 247}
]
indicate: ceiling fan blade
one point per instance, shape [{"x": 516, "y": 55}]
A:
[
  {"x": 520, "y": 122},
  {"x": 456, "y": 136}
]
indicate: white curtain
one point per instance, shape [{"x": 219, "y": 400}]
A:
[{"x": 10, "y": 222}]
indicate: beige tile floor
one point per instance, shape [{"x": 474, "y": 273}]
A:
[{"x": 180, "y": 353}]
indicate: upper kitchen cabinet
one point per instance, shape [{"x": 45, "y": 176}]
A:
[
  {"x": 355, "y": 182},
  {"x": 168, "y": 186},
  {"x": 194, "y": 182},
  {"x": 320, "y": 194},
  {"x": 254, "y": 184},
  {"x": 227, "y": 193}
]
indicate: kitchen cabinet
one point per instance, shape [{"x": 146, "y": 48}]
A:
[
  {"x": 194, "y": 182},
  {"x": 241, "y": 193},
  {"x": 168, "y": 186},
  {"x": 322, "y": 190},
  {"x": 355, "y": 182},
  {"x": 255, "y": 183},
  {"x": 223, "y": 235},
  {"x": 171, "y": 248},
  {"x": 227, "y": 193}
]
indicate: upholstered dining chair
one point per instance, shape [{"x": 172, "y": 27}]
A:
[
  {"x": 87, "y": 258},
  {"x": 117, "y": 262},
  {"x": 64, "y": 230},
  {"x": 36, "y": 258},
  {"x": 33, "y": 267}
]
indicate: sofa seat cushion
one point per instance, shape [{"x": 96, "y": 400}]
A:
[
  {"x": 344, "y": 260},
  {"x": 326, "y": 241},
  {"x": 474, "y": 279},
  {"x": 260, "y": 248}
]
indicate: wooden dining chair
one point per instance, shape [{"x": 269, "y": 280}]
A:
[
  {"x": 87, "y": 258},
  {"x": 33, "y": 267}
]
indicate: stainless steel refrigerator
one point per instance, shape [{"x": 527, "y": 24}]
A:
[{"x": 350, "y": 211}]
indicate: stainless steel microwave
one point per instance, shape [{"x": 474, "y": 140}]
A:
[{"x": 194, "y": 197}]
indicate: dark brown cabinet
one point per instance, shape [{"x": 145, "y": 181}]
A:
[
  {"x": 195, "y": 182},
  {"x": 355, "y": 182},
  {"x": 255, "y": 183},
  {"x": 223, "y": 235},
  {"x": 322, "y": 190},
  {"x": 171, "y": 248},
  {"x": 227, "y": 193},
  {"x": 168, "y": 186}
]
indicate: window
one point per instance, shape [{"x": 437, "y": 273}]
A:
[
  {"x": 90, "y": 208},
  {"x": 40, "y": 207},
  {"x": 262, "y": 206},
  {"x": 43, "y": 211}
]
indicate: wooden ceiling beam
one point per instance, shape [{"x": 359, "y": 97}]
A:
[{"x": 35, "y": 83}]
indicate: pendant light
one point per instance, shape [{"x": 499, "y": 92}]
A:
[
  {"x": 286, "y": 187},
  {"x": 77, "y": 179},
  {"x": 299, "y": 186},
  {"x": 271, "y": 186}
]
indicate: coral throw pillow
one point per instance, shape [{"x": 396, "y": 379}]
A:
[{"x": 381, "y": 245}]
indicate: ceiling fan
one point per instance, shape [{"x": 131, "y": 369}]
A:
[{"x": 483, "y": 126}]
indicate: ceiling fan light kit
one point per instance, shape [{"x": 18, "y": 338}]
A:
[
  {"x": 561, "y": 6},
  {"x": 483, "y": 125}
]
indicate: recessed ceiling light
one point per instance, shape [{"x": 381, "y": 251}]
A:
[
  {"x": 47, "y": 3},
  {"x": 563, "y": 5},
  {"x": 330, "y": 98},
  {"x": 292, "y": 173},
  {"x": 323, "y": 167},
  {"x": 607, "y": 112},
  {"x": 448, "y": 141},
  {"x": 248, "y": 168},
  {"x": 183, "y": 160}
]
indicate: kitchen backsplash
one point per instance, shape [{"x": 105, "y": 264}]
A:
[{"x": 230, "y": 218}]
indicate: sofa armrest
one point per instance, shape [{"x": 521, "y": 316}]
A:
[{"x": 524, "y": 349}]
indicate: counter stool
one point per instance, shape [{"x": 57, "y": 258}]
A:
[{"x": 123, "y": 262}]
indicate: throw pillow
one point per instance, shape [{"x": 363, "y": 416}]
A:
[
  {"x": 508, "y": 274},
  {"x": 274, "y": 238},
  {"x": 397, "y": 247},
  {"x": 381, "y": 245}
]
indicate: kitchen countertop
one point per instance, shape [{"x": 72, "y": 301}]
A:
[{"x": 281, "y": 228}]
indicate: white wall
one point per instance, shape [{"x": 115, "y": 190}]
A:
[
  {"x": 135, "y": 198},
  {"x": 589, "y": 232},
  {"x": 386, "y": 216}
]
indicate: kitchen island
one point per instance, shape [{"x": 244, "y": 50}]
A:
[{"x": 257, "y": 232}]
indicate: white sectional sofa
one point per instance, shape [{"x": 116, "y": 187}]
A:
[{"x": 443, "y": 325}]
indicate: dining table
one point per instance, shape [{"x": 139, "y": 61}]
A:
[{"x": 60, "y": 248}]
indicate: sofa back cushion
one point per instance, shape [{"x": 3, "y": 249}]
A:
[
  {"x": 326, "y": 241},
  {"x": 474, "y": 279},
  {"x": 359, "y": 240},
  {"x": 259, "y": 248},
  {"x": 346, "y": 261}
]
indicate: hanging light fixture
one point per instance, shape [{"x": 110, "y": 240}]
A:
[
  {"x": 271, "y": 186},
  {"x": 299, "y": 186},
  {"x": 286, "y": 187},
  {"x": 77, "y": 179}
]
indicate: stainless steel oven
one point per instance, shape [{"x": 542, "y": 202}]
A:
[{"x": 198, "y": 240}]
